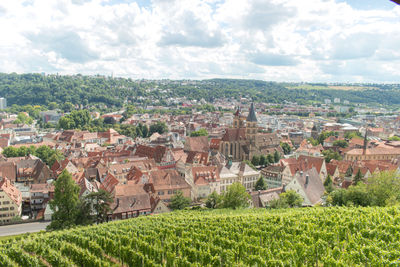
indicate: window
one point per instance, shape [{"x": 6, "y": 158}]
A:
[
  {"x": 6, "y": 202},
  {"x": 160, "y": 193},
  {"x": 169, "y": 192}
]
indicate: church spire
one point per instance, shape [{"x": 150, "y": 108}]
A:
[
  {"x": 237, "y": 113},
  {"x": 252, "y": 114}
]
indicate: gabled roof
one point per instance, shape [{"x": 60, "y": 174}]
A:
[
  {"x": 155, "y": 153},
  {"x": 109, "y": 183},
  {"x": 167, "y": 179},
  {"x": 203, "y": 175},
  {"x": 314, "y": 189},
  {"x": 331, "y": 168},
  {"x": 260, "y": 198},
  {"x": 129, "y": 189},
  {"x": 198, "y": 143},
  {"x": 13, "y": 193},
  {"x": 131, "y": 203},
  {"x": 197, "y": 157},
  {"x": 234, "y": 134}
]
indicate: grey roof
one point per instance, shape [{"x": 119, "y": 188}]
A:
[
  {"x": 314, "y": 189},
  {"x": 252, "y": 114}
]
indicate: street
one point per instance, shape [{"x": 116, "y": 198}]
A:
[{"x": 17, "y": 229}]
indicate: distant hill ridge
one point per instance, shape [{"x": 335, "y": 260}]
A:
[{"x": 38, "y": 89}]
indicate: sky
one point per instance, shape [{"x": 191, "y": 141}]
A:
[{"x": 273, "y": 40}]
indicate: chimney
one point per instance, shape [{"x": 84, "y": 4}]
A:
[{"x": 301, "y": 173}]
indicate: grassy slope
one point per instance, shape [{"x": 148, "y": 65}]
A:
[{"x": 311, "y": 236}]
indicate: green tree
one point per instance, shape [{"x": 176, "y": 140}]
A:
[
  {"x": 65, "y": 204},
  {"x": 358, "y": 177},
  {"x": 260, "y": 184},
  {"x": 201, "y": 132},
  {"x": 277, "y": 157},
  {"x": 384, "y": 188},
  {"x": 255, "y": 160},
  {"x": 263, "y": 160},
  {"x": 66, "y": 123},
  {"x": 10, "y": 152},
  {"x": 358, "y": 195},
  {"x": 68, "y": 107},
  {"x": 48, "y": 155},
  {"x": 213, "y": 200},
  {"x": 101, "y": 202},
  {"x": 328, "y": 184},
  {"x": 23, "y": 118},
  {"x": 351, "y": 135},
  {"x": 349, "y": 172},
  {"x": 286, "y": 148},
  {"x": 291, "y": 198},
  {"x": 341, "y": 143},
  {"x": 159, "y": 127},
  {"x": 236, "y": 197},
  {"x": 330, "y": 154},
  {"x": 179, "y": 202},
  {"x": 52, "y": 105},
  {"x": 338, "y": 197},
  {"x": 270, "y": 158},
  {"x": 394, "y": 138}
]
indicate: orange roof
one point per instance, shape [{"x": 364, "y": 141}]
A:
[
  {"x": 215, "y": 143},
  {"x": 13, "y": 193},
  {"x": 109, "y": 183},
  {"x": 203, "y": 175}
]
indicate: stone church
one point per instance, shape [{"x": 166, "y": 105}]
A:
[{"x": 243, "y": 141}]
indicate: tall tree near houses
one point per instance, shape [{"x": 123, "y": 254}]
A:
[
  {"x": 255, "y": 160},
  {"x": 100, "y": 202},
  {"x": 358, "y": 177},
  {"x": 263, "y": 160},
  {"x": 277, "y": 157},
  {"x": 235, "y": 197},
  {"x": 349, "y": 172},
  {"x": 66, "y": 203},
  {"x": 260, "y": 184}
]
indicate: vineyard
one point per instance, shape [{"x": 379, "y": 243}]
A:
[{"x": 311, "y": 237}]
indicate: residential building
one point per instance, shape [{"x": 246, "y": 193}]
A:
[
  {"x": 10, "y": 200},
  {"x": 238, "y": 172},
  {"x": 273, "y": 176},
  {"x": 309, "y": 186}
]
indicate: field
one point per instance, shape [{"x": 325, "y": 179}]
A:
[{"x": 310, "y": 237}]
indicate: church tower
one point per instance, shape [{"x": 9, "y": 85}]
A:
[
  {"x": 251, "y": 125},
  {"x": 238, "y": 119}
]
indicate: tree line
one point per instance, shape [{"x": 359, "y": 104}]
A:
[{"x": 80, "y": 90}]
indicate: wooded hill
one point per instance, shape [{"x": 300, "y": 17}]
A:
[{"x": 37, "y": 89}]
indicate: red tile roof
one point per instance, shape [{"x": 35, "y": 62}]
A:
[
  {"x": 234, "y": 134},
  {"x": 198, "y": 143}
]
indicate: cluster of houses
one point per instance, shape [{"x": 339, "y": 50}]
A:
[{"x": 143, "y": 174}]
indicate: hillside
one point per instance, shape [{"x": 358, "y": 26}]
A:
[
  {"x": 310, "y": 236},
  {"x": 37, "y": 89}
]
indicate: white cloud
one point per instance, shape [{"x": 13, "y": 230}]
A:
[{"x": 284, "y": 40}]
